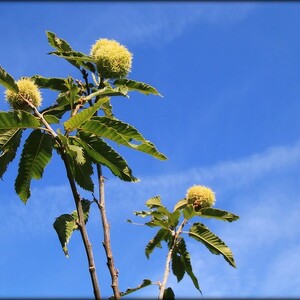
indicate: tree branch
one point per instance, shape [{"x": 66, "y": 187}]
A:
[
  {"x": 106, "y": 232},
  {"x": 162, "y": 286}
]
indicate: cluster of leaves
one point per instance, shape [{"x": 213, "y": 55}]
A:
[
  {"x": 85, "y": 126},
  {"x": 82, "y": 137},
  {"x": 170, "y": 230}
]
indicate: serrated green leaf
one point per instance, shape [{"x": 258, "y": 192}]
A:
[
  {"x": 215, "y": 245},
  {"x": 178, "y": 266},
  {"x": 80, "y": 118},
  {"x": 154, "y": 202},
  {"x": 36, "y": 154},
  {"x": 77, "y": 152},
  {"x": 7, "y": 81},
  {"x": 121, "y": 133},
  {"x": 9, "y": 143},
  {"x": 180, "y": 204},
  {"x": 168, "y": 294},
  {"x": 77, "y": 58},
  {"x": 17, "y": 119},
  {"x": 133, "y": 85},
  {"x": 217, "y": 214},
  {"x": 158, "y": 222},
  {"x": 156, "y": 241},
  {"x": 185, "y": 258},
  {"x": 57, "y": 43},
  {"x": 64, "y": 226},
  {"x": 103, "y": 154},
  {"x": 56, "y": 84},
  {"x": 82, "y": 175},
  {"x": 145, "y": 283}
]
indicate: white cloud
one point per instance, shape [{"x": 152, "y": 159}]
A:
[{"x": 163, "y": 22}]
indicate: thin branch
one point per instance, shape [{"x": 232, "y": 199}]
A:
[
  {"x": 106, "y": 232},
  {"x": 162, "y": 286}
]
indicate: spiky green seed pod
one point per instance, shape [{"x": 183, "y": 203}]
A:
[
  {"x": 200, "y": 196},
  {"x": 28, "y": 90},
  {"x": 112, "y": 59}
]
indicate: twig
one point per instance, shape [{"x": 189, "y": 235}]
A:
[
  {"x": 162, "y": 286},
  {"x": 106, "y": 232}
]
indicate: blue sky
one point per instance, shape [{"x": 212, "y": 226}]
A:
[{"x": 229, "y": 119}]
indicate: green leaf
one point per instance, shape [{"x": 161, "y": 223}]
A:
[
  {"x": 7, "y": 81},
  {"x": 143, "y": 213},
  {"x": 64, "y": 50},
  {"x": 72, "y": 93},
  {"x": 61, "y": 106},
  {"x": 64, "y": 226},
  {"x": 145, "y": 283},
  {"x": 215, "y": 245},
  {"x": 56, "y": 84},
  {"x": 51, "y": 119},
  {"x": 106, "y": 91},
  {"x": 185, "y": 258},
  {"x": 174, "y": 218},
  {"x": 189, "y": 211},
  {"x": 35, "y": 156},
  {"x": 85, "y": 208},
  {"x": 178, "y": 266},
  {"x": 156, "y": 241},
  {"x": 180, "y": 204},
  {"x": 121, "y": 133},
  {"x": 77, "y": 153},
  {"x": 133, "y": 85},
  {"x": 18, "y": 119},
  {"x": 82, "y": 175},
  {"x": 100, "y": 152},
  {"x": 158, "y": 222},
  {"x": 168, "y": 294},
  {"x": 9, "y": 143},
  {"x": 80, "y": 118},
  {"x": 217, "y": 214},
  {"x": 77, "y": 59},
  {"x": 154, "y": 202},
  {"x": 82, "y": 172},
  {"x": 57, "y": 42},
  {"x": 107, "y": 109}
]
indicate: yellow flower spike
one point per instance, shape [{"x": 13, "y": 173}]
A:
[
  {"x": 28, "y": 90},
  {"x": 112, "y": 59},
  {"x": 200, "y": 196}
]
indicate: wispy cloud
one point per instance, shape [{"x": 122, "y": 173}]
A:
[{"x": 163, "y": 22}]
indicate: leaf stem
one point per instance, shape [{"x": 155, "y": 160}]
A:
[{"x": 162, "y": 286}]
